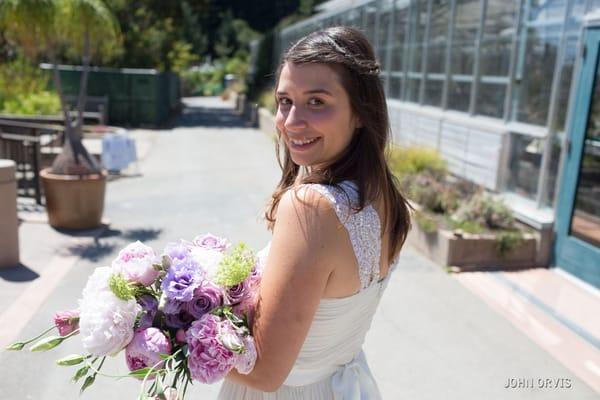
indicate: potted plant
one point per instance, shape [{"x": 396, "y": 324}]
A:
[{"x": 74, "y": 185}]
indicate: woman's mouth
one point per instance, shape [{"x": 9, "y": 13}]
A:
[{"x": 303, "y": 144}]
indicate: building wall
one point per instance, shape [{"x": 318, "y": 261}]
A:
[{"x": 486, "y": 82}]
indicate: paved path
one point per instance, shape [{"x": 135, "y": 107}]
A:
[{"x": 431, "y": 338}]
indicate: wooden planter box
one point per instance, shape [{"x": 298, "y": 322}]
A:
[{"x": 472, "y": 250}]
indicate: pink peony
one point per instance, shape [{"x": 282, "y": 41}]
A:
[
  {"x": 144, "y": 350},
  {"x": 209, "y": 360},
  {"x": 66, "y": 321},
  {"x": 135, "y": 261},
  {"x": 211, "y": 242}
]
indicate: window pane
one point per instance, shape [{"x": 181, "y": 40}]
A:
[
  {"x": 466, "y": 24},
  {"x": 384, "y": 22},
  {"x": 436, "y": 51},
  {"x": 525, "y": 159},
  {"x": 398, "y": 49},
  {"x": 491, "y": 99},
  {"x": 495, "y": 53},
  {"x": 535, "y": 63},
  {"x": 417, "y": 23}
]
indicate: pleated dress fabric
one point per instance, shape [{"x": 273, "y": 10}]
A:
[{"x": 331, "y": 364}]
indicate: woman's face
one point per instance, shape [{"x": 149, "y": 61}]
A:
[{"x": 314, "y": 116}]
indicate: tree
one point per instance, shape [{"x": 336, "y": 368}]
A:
[{"x": 44, "y": 28}]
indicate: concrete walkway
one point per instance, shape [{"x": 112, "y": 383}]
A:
[{"x": 431, "y": 339}]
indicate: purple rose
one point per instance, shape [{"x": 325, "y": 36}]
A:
[
  {"x": 181, "y": 320},
  {"x": 206, "y": 298},
  {"x": 182, "y": 279},
  {"x": 208, "y": 360},
  {"x": 237, "y": 293},
  {"x": 211, "y": 242},
  {"x": 173, "y": 306},
  {"x": 145, "y": 348},
  {"x": 149, "y": 308}
]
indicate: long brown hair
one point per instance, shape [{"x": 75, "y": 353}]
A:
[{"x": 349, "y": 52}]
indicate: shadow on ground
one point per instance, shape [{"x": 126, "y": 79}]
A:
[{"x": 18, "y": 273}]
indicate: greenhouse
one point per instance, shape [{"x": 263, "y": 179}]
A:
[{"x": 499, "y": 88}]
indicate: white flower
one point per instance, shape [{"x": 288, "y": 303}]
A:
[
  {"x": 208, "y": 260},
  {"x": 246, "y": 360},
  {"x": 106, "y": 322}
]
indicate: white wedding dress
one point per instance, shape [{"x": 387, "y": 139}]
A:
[{"x": 331, "y": 364}]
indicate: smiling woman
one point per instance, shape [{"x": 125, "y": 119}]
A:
[{"x": 338, "y": 223}]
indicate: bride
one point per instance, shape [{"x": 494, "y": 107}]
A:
[{"x": 338, "y": 223}]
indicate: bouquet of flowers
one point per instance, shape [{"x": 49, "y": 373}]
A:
[{"x": 180, "y": 317}]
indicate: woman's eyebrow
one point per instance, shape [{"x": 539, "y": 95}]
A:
[{"x": 313, "y": 91}]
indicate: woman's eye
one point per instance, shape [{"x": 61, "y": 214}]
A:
[
  {"x": 284, "y": 101},
  {"x": 315, "y": 102}
]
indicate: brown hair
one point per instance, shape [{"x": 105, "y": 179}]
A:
[{"x": 349, "y": 52}]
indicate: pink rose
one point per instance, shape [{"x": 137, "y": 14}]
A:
[
  {"x": 66, "y": 321},
  {"x": 145, "y": 348},
  {"x": 211, "y": 242},
  {"x": 135, "y": 261},
  {"x": 246, "y": 360}
]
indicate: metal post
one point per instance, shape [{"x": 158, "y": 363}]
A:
[
  {"x": 388, "y": 51},
  {"x": 451, "y": 21},
  {"x": 406, "y": 51},
  {"x": 551, "y": 119},
  {"x": 377, "y": 24},
  {"x": 514, "y": 59},
  {"x": 477, "y": 58},
  {"x": 424, "y": 55}
]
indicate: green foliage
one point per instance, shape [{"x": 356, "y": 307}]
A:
[
  {"x": 42, "y": 103},
  {"x": 180, "y": 56},
  {"x": 19, "y": 77},
  {"x": 486, "y": 210},
  {"x": 465, "y": 226},
  {"x": 432, "y": 194},
  {"x": 508, "y": 240},
  {"x": 405, "y": 161},
  {"x": 426, "y": 222}
]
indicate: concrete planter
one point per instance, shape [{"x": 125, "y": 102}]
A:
[
  {"x": 472, "y": 250},
  {"x": 73, "y": 201}
]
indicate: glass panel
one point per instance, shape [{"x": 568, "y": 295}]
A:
[
  {"x": 498, "y": 34},
  {"x": 384, "y": 22},
  {"x": 525, "y": 159},
  {"x": 398, "y": 49},
  {"x": 571, "y": 39},
  {"x": 436, "y": 51},
  {"x": 466, "y": 24},
  {"x": 585, "y": 222},
  {"x": 417, "y": 23},
  {"x": 537, "y": 56},
  {"x": 371, "y": 11}
]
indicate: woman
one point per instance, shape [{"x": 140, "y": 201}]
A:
[{"x": 338, "y": 223}]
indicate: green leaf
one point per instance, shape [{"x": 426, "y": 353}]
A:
[
  {"x": 140, "y": 373},
  {"x": 89, "y": 381},
  {"x": 81, "y": 372},
  {"x": 16, "y": 346},
  {"x": 47, "y": 343},
  {"x": 72, "y": 359},
  {"x": 164, "y": 356}
]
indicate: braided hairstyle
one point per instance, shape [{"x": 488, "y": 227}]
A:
[{"x": 348, "y": 52}]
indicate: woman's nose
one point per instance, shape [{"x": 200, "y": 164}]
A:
[{"x": 295, "y": 119}]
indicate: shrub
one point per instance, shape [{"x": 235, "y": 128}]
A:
[
  {"x": 43, "y": 103},
  {"x": 486, "y": 210},
  {"x": 408, "y": 161},
  {"x": 425, "y": 221},
  {"x": 432, "y": 194}
]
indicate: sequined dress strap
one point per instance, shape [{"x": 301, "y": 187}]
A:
[{"x": 363, "y": 227}]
